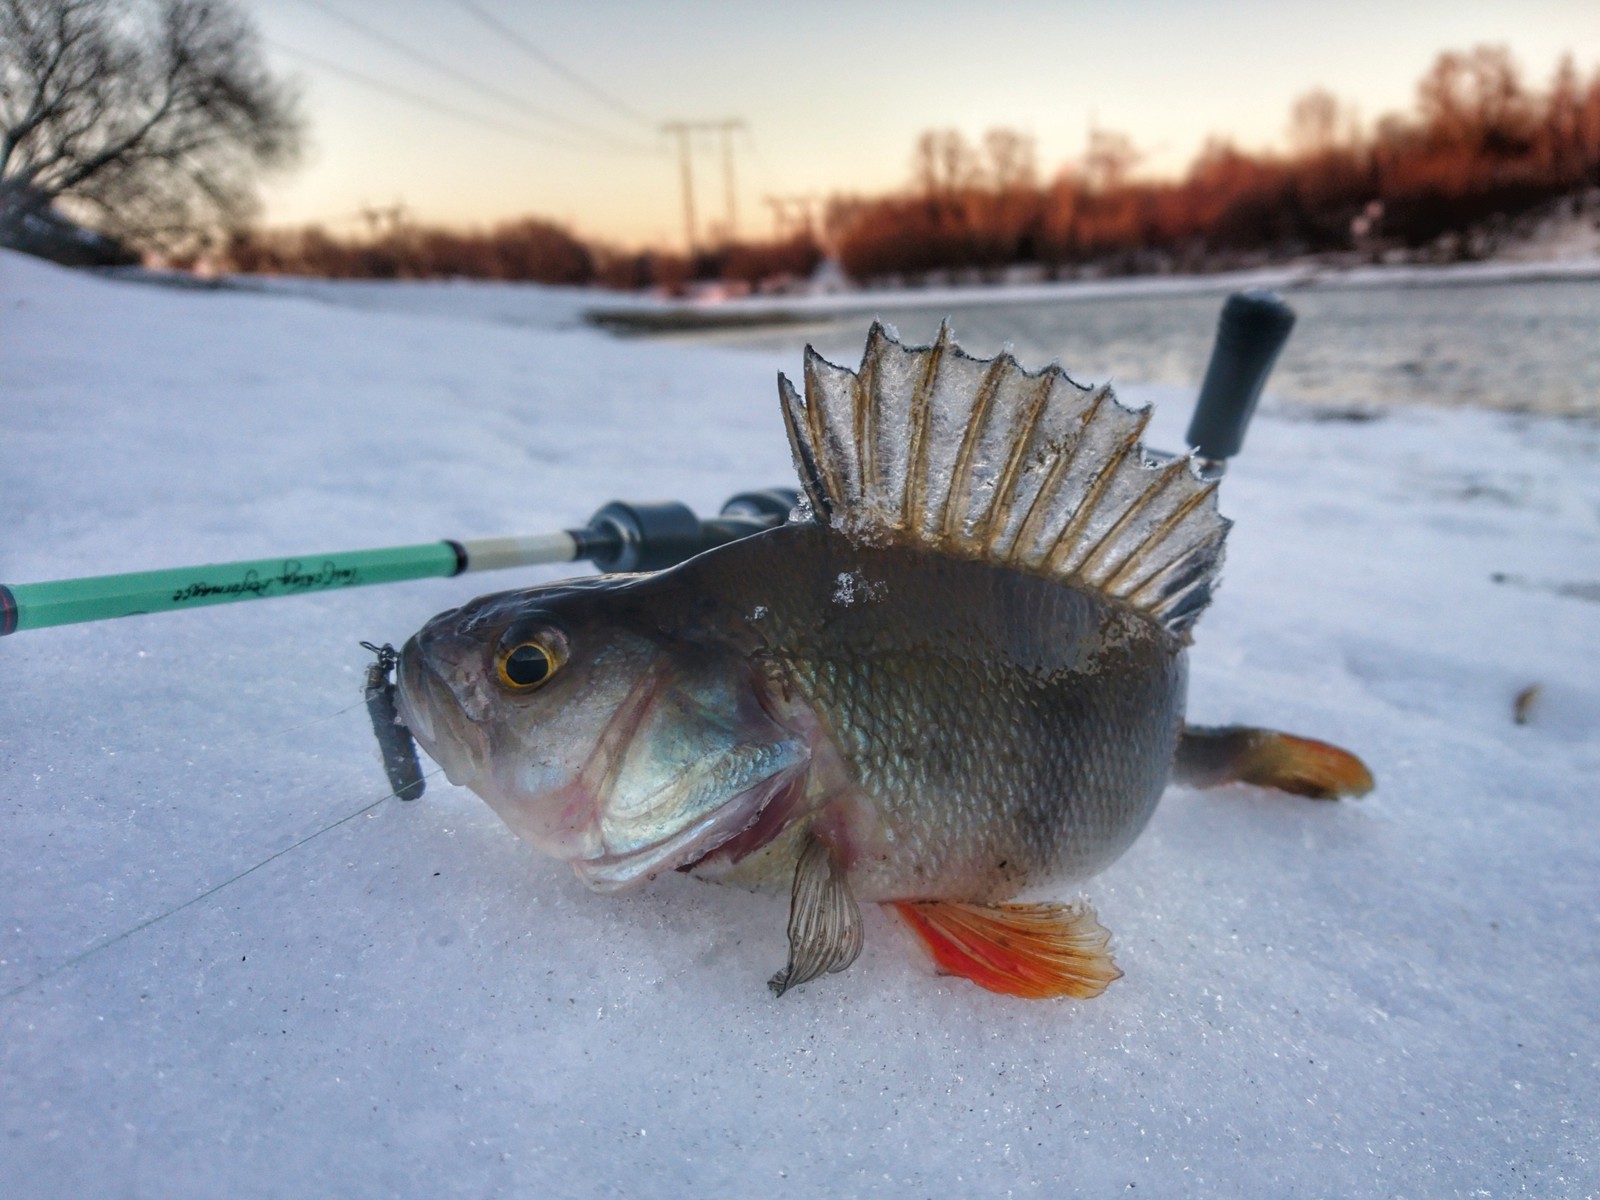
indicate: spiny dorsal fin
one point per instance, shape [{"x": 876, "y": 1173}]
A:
[{"x": 978, "y": 458}]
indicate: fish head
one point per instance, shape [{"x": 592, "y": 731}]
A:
[{"x": 596, "y": 733}]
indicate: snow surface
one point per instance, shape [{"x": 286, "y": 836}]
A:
[
  {"x": 229, "y": 967},
  {"x": 478, "y": 300},
  {"x": 867, "y": 301}
]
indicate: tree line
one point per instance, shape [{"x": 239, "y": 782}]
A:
[
  {"x": 153, "y": 121},
  {"x": 1479, "y": 147},
  {"x": 523, "y": 250}
]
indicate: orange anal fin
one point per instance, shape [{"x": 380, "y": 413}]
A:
[
  {"x": 1038, "y": 951},
  {"x": 1238, "y": 754}
]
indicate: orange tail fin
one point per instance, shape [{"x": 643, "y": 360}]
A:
[
  {"x": 1267, "y": 758},
  {"x": 1037, "y": 951}
]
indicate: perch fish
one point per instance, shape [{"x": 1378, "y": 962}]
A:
[{"x": 956, "y": 676}]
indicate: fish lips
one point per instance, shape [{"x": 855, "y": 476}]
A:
[
  {"x": 619, "y": 872},
  {"x": 430, "y": 708}
]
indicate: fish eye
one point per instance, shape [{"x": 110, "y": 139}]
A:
[{"x": 525, "y": 663}]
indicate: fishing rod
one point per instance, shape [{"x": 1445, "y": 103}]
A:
[{"x": 621, "y": 536}]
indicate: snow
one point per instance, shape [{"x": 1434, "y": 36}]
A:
[
  {"x": 534, "y": 307},
  {"x": 229, "y": 966},
  {"x": 1565, "y": 231},
  {"x": 1579, "y": 264},
  {"x": 475, "y": 300}
]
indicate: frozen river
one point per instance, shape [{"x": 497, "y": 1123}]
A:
[
  {"x": 232, "y": 965},
  {"x": 1521, "y": 346}
]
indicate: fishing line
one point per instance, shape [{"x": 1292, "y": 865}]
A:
[
  {"x": 272, "y": 733},
  {"x": 250, "y": 738},
  {"x": 209, "y": 892},
  {"x": 410, "y": 788}
]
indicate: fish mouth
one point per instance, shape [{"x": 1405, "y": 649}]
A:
[
  {"x": 428, "y": 707},
  {"x": 618, "y": 872}
]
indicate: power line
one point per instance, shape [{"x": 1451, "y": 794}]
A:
[
  {"x": 538, "y": 55},
  {"x": 417, "y": 98},
  {"x": 469, "y": 81}
]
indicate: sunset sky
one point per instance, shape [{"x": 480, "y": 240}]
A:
[{"x": 833, "y": 94}]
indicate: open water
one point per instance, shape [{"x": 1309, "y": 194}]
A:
[{"x": 1520, "y": 346}]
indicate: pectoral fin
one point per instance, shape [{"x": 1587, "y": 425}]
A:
[
  {"x": 824, "y": 919},
  {"x": 1037, "y": 951},
  {"x": 1213, "y": 756}
]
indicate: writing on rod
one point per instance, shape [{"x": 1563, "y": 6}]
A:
[{"x": 293, "y": 577}]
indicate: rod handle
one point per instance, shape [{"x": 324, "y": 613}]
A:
[{"x": 1251, "y": 332}]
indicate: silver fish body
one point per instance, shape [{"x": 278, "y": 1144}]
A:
[{"x": 956, "y": 729}]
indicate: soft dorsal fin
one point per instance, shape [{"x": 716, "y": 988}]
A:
[{"x": 978, "y": 458}]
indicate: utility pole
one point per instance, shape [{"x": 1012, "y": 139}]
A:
[
  {"x": 684, "y": 131},
  {"x": 727, "y": 129}
]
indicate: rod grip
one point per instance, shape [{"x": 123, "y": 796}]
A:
[{"x": 1251, "y": 333}]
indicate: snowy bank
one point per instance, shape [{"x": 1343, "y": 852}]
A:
[
  {"x": 538, "y": 307},
  {"x": 636, "y": 315},
  {"x": 231, "y": 967}
]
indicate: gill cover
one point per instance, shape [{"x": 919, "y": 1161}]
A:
[{"x": 593, "y": 735}]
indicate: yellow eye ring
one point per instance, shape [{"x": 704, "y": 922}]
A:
[{"x": 527, "y": 664}]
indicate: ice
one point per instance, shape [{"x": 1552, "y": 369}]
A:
[
  {"x": 870, "y": 301},
  {"x": 852, "y": 586},
  {"x": 228, "y": 966}
]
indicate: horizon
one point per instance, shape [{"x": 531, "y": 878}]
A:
[{"x": 490, "y": 158}]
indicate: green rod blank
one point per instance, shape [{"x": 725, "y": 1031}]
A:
[
  {"x": 622, "y": 536},
  {"x": 65, "y": 601}
]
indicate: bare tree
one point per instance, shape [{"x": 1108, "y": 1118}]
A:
[
  {"x": 1109, "y": 159},
  {"x": 943, "y": 163},
  {"x": 1012, "y": 160},
  {"x": 1475, "y": 101},
  {"x": 1321, "y": 125},
  {"x": 153, "y": 120}
]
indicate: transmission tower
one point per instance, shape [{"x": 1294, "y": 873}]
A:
[{"x": 684, "y": 131}]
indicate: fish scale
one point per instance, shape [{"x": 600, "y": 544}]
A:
[{"x": 986, "y": 716}]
